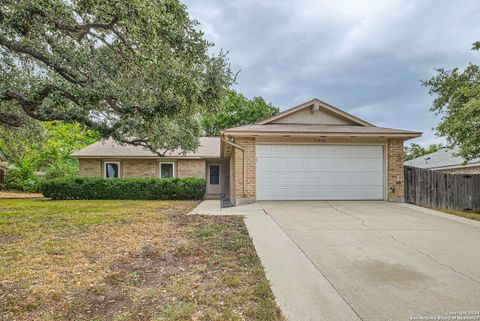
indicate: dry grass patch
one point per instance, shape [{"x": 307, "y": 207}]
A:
[
  {"x": 127, "y": 260},
  {"x": 470, "y": 215},
  {"x": 19, "y": 195}
]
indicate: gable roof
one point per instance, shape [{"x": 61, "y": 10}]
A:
[
  {"x": 442, "y": 158},
  {"x": 353, "y": 126},
  {"x": 209, "y": 148},
  {"x": 316, "y": 103}
]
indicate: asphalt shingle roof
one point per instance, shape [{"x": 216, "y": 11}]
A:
[
  {"x": 209, "y": 148},
  {"x": 318, "y": 128},
  {"x": 442, "y": 158}
]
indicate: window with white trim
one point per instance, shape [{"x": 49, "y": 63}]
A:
[
  {"x": 167, "y": 169},
  {"x": 111, "y": 170}
]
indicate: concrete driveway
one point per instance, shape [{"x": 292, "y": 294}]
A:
[{"x": 386, "y": 261}]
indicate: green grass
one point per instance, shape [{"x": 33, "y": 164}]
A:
[
  {"x": 472, "y": 216},
  {"x": 127, "y": 260}
]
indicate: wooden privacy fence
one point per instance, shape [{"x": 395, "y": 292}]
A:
[{"x": 435, "y": 189}]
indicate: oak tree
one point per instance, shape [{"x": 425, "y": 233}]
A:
[{"x": 137, "y": 71}]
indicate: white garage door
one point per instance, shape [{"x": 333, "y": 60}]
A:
[{"x": 312, "y": 172}]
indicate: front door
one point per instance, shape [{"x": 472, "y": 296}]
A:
[{"x": 214, "y": 179}]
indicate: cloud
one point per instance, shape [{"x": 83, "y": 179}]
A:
[{"x": 366, "y": 57}]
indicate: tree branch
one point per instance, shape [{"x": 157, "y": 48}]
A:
[
  {"x": 11, "y": 119},
  {"x": 143, "y": 143},
  {"x": 114, "y": 49},
  {"x": 85, "y": 28},
  {"x": 30, "y": 106},
  {"x": 62, "y": 71}
]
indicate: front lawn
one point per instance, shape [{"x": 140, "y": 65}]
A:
[{"x": 127, "y": 260}]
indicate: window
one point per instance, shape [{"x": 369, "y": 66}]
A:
[
  {"x": 167, "y": 170},
  {"x": 112, "y": 170}
]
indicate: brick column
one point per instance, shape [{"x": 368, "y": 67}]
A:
[
  {"x": 242, "y": 196},
  {"x": 395, "y": 172}
]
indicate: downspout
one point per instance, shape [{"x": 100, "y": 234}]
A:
[{"x": 243, "y": 160}]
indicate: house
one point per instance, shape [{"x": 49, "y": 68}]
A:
[
  {"x": 446, "y": 160},
  {"x": 313, "y": 151},
  {"x": 3, "y": 167}
]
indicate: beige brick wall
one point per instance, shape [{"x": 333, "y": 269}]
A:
[
  {"x": 239, "y": 194},
  {"x": 90, "y": 167},
  {"x": 139, "y": 168},
  {"x": 395, "y": 177},
  {"x": 191, "y": 168},
  {"x": 232, "y": 177}
]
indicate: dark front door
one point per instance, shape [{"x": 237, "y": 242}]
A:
[{"x": 213, "y": 186}]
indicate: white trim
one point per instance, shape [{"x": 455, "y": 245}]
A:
[
  {"x": 112, "y": 162},
  {"x": 160, "y": 168},
  {"x": 220, "y": 180}
]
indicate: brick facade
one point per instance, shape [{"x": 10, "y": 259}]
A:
[
  {"x": 238, "y": 194},
  {"x": 139, "y": 168},
  {"x": 395, "y": 177},
  {"x": 191, "y": 168},
  {"x": 144, "y": 168},
  {"x": 90, "y": 167},
  {"x": 232, "y": 176}
]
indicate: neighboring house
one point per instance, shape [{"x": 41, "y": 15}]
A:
[
  {"x": 3, "y": 167},
  {"x": 446, "y": 160},
  {"x": 310, "y": 152}
]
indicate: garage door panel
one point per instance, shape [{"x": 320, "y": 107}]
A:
[
  {"x": 327, "y": 179},
  {"x": 320, "y": 194},
  {"x": 313, "y": 172}
]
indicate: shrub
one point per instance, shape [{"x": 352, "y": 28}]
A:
[
  {"x": 21, "y": 177},
  {"x": 62, "y": 168},
  {"x": 88, "y": 188}
]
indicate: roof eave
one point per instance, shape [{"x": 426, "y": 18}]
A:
[
  {"x": 408, "y": 135},
  {"x": 141, "y": 157}
]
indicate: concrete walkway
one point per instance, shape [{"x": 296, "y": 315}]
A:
[{"x": 301, "y": 290}]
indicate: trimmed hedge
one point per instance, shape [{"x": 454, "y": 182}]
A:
[{"x": 90, "y": 188}]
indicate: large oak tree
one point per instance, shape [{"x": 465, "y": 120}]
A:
[
  {"x": 457, "y": 101},
  {"x": 138, "y": 71}
]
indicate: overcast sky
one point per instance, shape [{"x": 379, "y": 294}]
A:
[{"x": 366, "y": 57}]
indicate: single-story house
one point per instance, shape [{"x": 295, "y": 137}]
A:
[
  {"x": 3, "y": 167},
  {"x": 313, "y": 151},
  {"x": 446, "y": 160}
]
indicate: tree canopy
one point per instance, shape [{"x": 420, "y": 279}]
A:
[
  {"x": 238, "y": 111},
  {"x": 137, "y": 71},
  {"x": 42, "y": 147},
  {"x": 457, "y": 100},
  {"x": 415, "y": 150}
]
